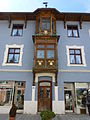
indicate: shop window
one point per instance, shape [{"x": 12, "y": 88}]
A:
[
  {"x": 17, "y": 30},
  {"x": 81, "y": 94},
  {"x": 72, "y": 31},
  {"x": 11, "y": 92},
  {"x": 6, "y": 93}
]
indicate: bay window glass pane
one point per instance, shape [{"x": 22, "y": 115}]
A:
[
  {"x": 40, "y": 53},
  {"x": 69, "y": 33},
  {"x": 78, "y": 59},
  {"x": 43, "y": 25},
  {"x": 50, "y": 54},
  {"x": 10, "y": 58},
  {"x": 75, "y": 33},
  {"x": 16, "y": 58},
  {"x": 50, "y": 46},
  {"x": 40, "y": 46},
  {"x": 48, "y": 25},
  {"x": 72, "y": 59}
]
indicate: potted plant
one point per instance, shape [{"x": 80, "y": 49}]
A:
[
  {"x": 47, "y": 115},
  {"x": 12, "y": 113}
]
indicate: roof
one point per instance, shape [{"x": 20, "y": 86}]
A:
[{"x": 68, "y": 16}]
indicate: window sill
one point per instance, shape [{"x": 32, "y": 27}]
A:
[
  {"x": 77, "y": 65},
  {"x": 11, "y": 64}
]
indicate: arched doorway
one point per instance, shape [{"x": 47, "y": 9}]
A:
[{"x": 44, "y": 95}]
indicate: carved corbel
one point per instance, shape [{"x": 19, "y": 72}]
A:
[
  {"x": 9, "y": 21},
  {"x": 80, "y": 22},
  {"x": 25, "y": 22},
  {"x": 64, "y": 22}
]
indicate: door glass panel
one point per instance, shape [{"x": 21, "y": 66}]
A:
[
  {"x": 44, "y": 84},
  {"x": 68, "y": 100},
  {"x": 48, "y": 92},
  {"x": 41, "y": 93}
]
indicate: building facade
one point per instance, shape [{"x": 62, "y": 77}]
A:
[{"x": 45, "y": 62}]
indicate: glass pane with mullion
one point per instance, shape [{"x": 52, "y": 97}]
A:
[
  {"x": 69, "y": 33},
  {"x": 50, "y": 54},
  {"x": 50, "y": 46},
  {"x": 48, "y": 25},
  {"x": 17, "y": 50},
  {"x": 16, "y": 58},
  {"x": 20, "y": 32},
  {"x": 44, "y": 25},
  {"x": 78, "y": 59},
  {"x": 40, "y": 53},
  {"x": 77, "y": 51},
  {"x": 75, "y": 33},
  {"x": 40, "y": 46},
  {"x": 11, "y": 50},
  {"x": 72, "y": 59},
  {"x": 14, "y": 32},
  {"x": 10, "y": 58},
  {"x": 71, "y": 51}
]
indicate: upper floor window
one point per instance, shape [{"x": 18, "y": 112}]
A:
[
  {"x": 75, "y": 56},
  {"x": 45, "y": 24},
  {"x": 72, "y": 31},
  {"x": 13, "y": 55},
  {"x": 17, "y": 30}
]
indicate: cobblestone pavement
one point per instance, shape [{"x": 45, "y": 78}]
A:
[{"x": 37, "y": 117}]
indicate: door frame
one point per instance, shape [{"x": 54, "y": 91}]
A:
[{"x": 41, "y": 81}]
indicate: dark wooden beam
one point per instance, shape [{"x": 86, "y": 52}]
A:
[
  {"x": 64, "y": 22},
  {"x": 25, "y": 22},
  {"x": 9, "y": 21},
  {"x": 80, "y": 22}
]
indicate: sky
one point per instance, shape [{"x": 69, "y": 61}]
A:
[{"x": 31, "y": 5}]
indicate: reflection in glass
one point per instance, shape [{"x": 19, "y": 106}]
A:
[
  {"x": 50, "y": 54},
  {"x": 41, "y": 92},
  {"x": 72, "y": 59},
  {"x": 16, "y": 58},
  {"x": 40, "y": 53},
  {"x": 75, "y": 33},
  {"x": 10, "y": 58},
  {"x": 78, "y": 59},
  {"x": 48, "y": 92},
  {"x": 69, "y": 33}
]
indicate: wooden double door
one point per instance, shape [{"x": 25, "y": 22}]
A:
[{"x": 44, "y": 96}]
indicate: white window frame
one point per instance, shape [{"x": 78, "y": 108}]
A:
[
  {"x": 82, "y": 53},
  {"x": 6, "y": 55}
]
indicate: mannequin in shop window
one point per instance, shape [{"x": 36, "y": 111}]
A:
[{"x": 88, "y": 101}]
